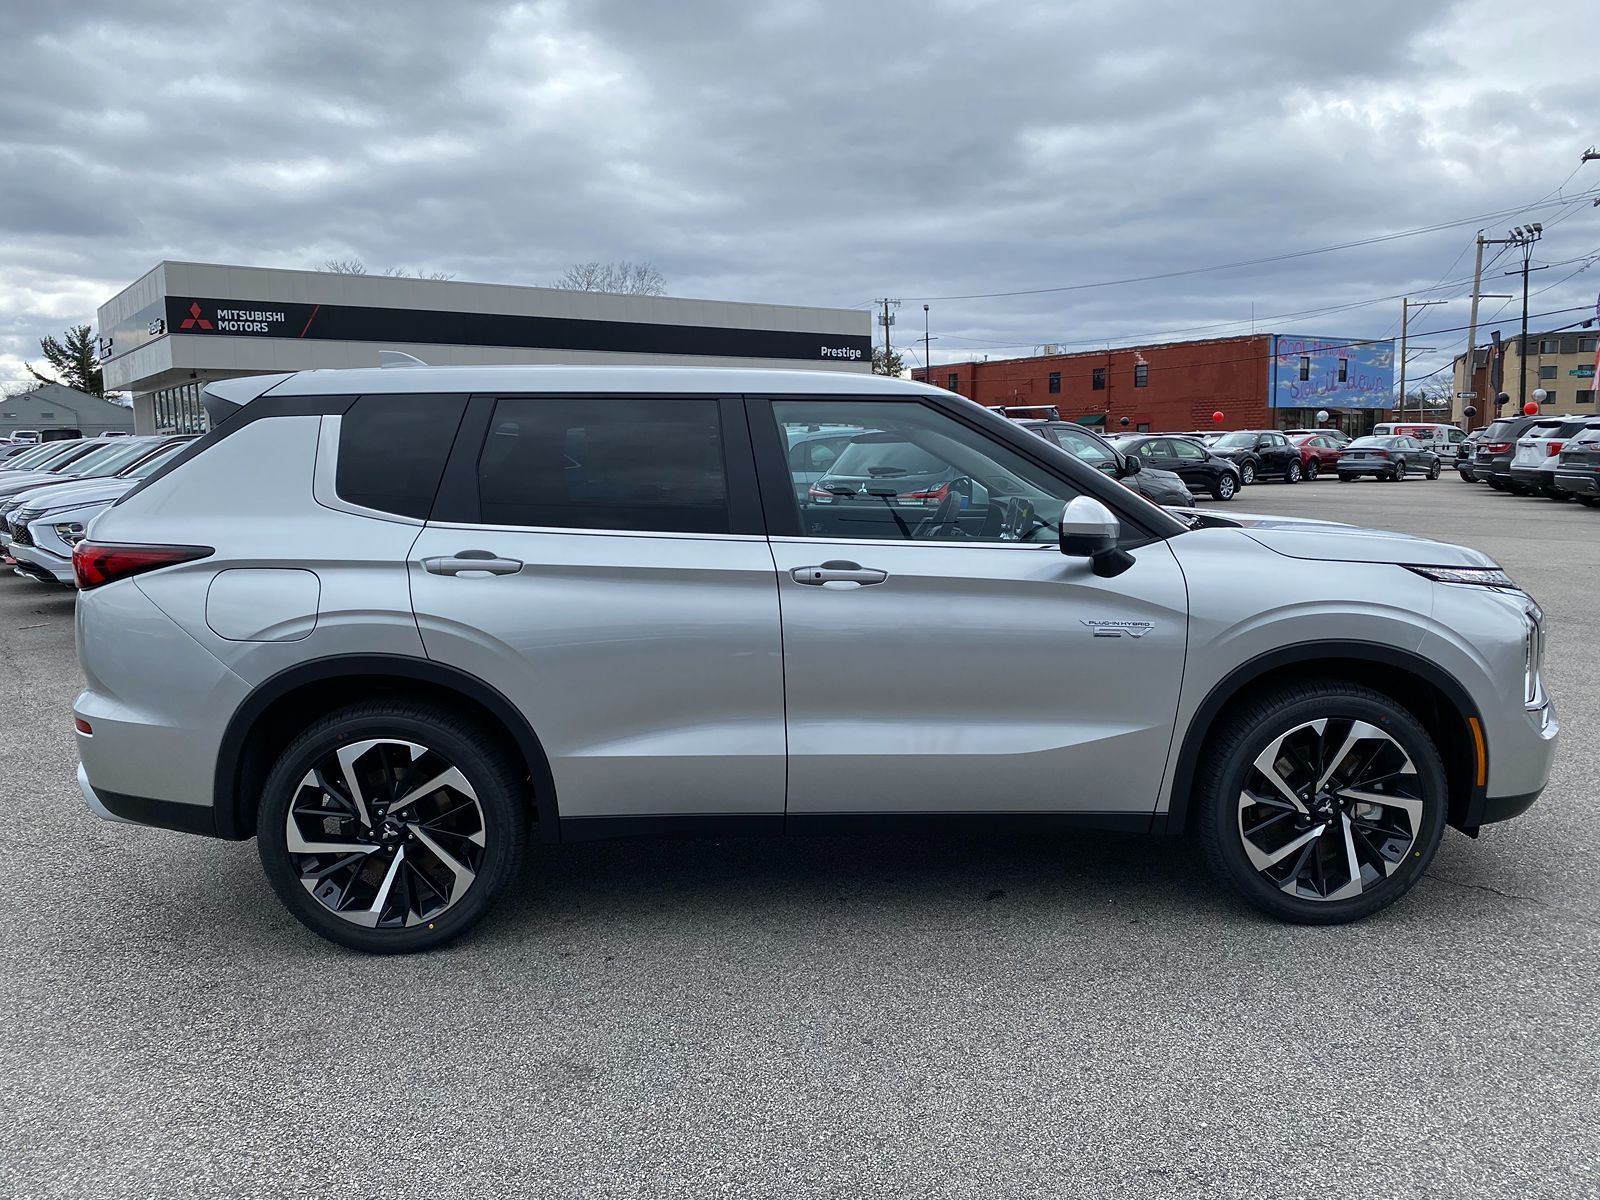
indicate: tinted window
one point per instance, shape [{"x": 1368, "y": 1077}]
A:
[
  {"x": 1187, "y": 450},
  {"x": 392, "y": 451},
  {"x": 1082, "y": 445},
  {"x": 649, "y": 465}
]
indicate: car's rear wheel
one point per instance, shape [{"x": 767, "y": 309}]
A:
[
  {"x": 391, "y": 827},
  {"x": 1496, "y": 485},
  {"x": 1312, "y": 470},
  {"x": 1321, "y": 803},
  {"x": 1590, "y": 501},
  {"x": 1346, "y": 477},
  {"x": 1399, "y": 475},
  {"x": 1247, "y": 473},
  {"x": 1294, "y": 473},
  {"x": 1225, "y": 488}
]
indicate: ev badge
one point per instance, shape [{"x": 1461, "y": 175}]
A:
[{"x": 1133, "y": 629}]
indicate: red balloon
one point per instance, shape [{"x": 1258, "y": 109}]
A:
[
  {"x": 1531, "y": 409},
  {"x": 1217, "y": 416}
]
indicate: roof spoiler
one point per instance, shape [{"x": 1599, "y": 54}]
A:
[
  {"x": 398, "y": 358},
  {"x": 224, "y": 397}
]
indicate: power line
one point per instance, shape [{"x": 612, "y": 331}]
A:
[{"x": 1253, "y": 262}]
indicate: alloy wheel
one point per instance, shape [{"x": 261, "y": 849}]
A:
[
  {"x": 1294, "y": 472},
  {"x": 1226, "y": 487},
  {"x": 385, "y": 833},
  {"x": 1399, "y": 471},
  {"x": 1330, "y": 809},
  {"x": 1311, "y": 470},
  {"x": 1247, "y": 474}
]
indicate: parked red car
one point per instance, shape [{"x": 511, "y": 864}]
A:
[{"x": 1319, "y": 451}]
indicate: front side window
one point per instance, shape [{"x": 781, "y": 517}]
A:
[
  {"x": 1081, "y": 445},
  {"x": 915, "y": 474},
  {"x": 636, "y": 465}
]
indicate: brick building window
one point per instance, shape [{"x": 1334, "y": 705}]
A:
[
  {"x": 1141, "y": 374},
  {"x": 1305, "y": 369},
  {"x": 1099, "y": 384},
  {"x": 1585, "y": 395},
  {"x": 950, "y": 384},
  {"x": 1055, "y": 383},
  {"x": 1344, "y": 370}
]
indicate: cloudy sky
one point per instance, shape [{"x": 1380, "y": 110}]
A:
[{"x": 803, "y": 151}]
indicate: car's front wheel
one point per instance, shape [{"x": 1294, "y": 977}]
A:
[
  {"x": 1225, "y": 487},
  {"x": 391, "y": 827},
  {"x": 1321, "y": 802},
  {"x": 1346, "y": 477},
  {"x": 1247, "y": 473},
  {"x": 1293, "y": 474}
]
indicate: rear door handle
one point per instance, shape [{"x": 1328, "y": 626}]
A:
[
  {"x": 471, "y": 562},
  {"x": 838, "y": 571}
]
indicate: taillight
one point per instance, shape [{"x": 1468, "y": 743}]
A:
[
  {"x": 95, "y": 563},
  {"x": 1553, "y": 447},
  {"x": 933, "y": 496},
  {"x": 1380, "y": 454},
  {"x": 1495, "y": 447}
]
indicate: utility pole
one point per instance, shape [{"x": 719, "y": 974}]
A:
[
  {"x": 1406, "y": 306},
  {"x": 1472, "y": 322},
  {"x": 1524, "y": 237},
  {"x": 886, "y": 319},
  {"x": 927, "y": 344}
]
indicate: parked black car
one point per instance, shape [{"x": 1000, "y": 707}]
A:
[
  {"x": 1155, "y": 485},
  {"x": 1200, "y": 469},
  {"x": 1262, "y": 453},
  {"x": 1389, "y": 458},
  {"x": 1464, "y": 453}
]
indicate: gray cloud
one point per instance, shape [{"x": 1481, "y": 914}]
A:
[{"x": 797, "y": 151}]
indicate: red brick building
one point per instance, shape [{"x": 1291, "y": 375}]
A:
[{"x": 1176, "y": 386}]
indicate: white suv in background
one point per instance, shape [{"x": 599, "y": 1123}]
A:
[{"x": 392, "y": 623}]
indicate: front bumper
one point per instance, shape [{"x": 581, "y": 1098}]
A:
[{"x": 43, "y": 566}]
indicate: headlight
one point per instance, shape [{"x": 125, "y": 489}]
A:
[{"x": 1481, "y": 576}]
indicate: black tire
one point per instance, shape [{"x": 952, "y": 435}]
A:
[
  {"x": 1247, "y": 473},
  {"x": 1589, "y": 501},
  {"x": 1229, "y": 763},
  {"x": 1346, "y": 477},
  {"x": 1225, "y": 488},
  {"x": 1436, "y": 470},
  {"x": 1400, "y": 471},
  {"x": 1495, "y": 484},
  {"x": 1312, "y": 471},
  {"x": 1294, "y": 474},
  {"x": 495, "y": 784}
]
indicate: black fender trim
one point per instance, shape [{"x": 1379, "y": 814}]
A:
[
  {"x": 161, "y": 814},
  {"x": 1175, "y": 819},
  {"x": 229, "y": 823}
]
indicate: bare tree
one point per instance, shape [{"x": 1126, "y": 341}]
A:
[
  {"x": 618, "y": 278},
  {"x": 345, "y": 266},
  {"x": 403, "y": 273}
]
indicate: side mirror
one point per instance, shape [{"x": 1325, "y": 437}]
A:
[
  {"x": 1089, "y": 530},
  {"x": 1131, "y": 465}
]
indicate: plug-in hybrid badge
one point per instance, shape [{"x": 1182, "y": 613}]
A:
[{"x": 1133, "y": 629}]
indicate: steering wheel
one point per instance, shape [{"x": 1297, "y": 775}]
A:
[{"x": 944, "y": 517}]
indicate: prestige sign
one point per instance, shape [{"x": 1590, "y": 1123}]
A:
[{"x": 190, "y": 315}]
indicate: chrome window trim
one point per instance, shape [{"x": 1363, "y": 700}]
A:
[
  {"x": 324, "y": 474},
  {"x": 481, "y": 526},
  {"x": 929, "y": 543}
]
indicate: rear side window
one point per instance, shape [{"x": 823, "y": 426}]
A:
[
  {"x": 640, "y": 465},
  {"x": 392, "y": 451}
]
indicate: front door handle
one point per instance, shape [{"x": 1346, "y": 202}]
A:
[
  {"x": 838, "y": 571},
  {"x": 469, "y": 562}
]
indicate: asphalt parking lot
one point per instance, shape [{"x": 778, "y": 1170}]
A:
[{"x": 927, "y": 1017}]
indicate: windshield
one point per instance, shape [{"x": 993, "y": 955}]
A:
[
  {"x": 37, "y": 457},
  {"x": 154, "y": 463},
  {"x": 884, "y": 456},
  {"x": 1230, "y": 441},
  {"x": 107, "y": 460},
  {"x": 1373, "y": 441}
]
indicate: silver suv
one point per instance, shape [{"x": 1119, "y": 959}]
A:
[{"x": 395, "y": 622}]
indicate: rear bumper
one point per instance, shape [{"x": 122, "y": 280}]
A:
[
  {"x": 1532, "y": 476},
  {"x": 138, "y": 810},
  {"x": 1365, "y": 468},
  {"x": 1579, "y": 483}
]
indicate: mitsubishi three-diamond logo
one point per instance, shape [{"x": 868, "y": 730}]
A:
[{"x": 194, "y": 319}]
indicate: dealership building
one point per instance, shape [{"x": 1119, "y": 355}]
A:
[
  {"x": 1259, "y": 381},
  {"x": 182, "y": 325}
]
